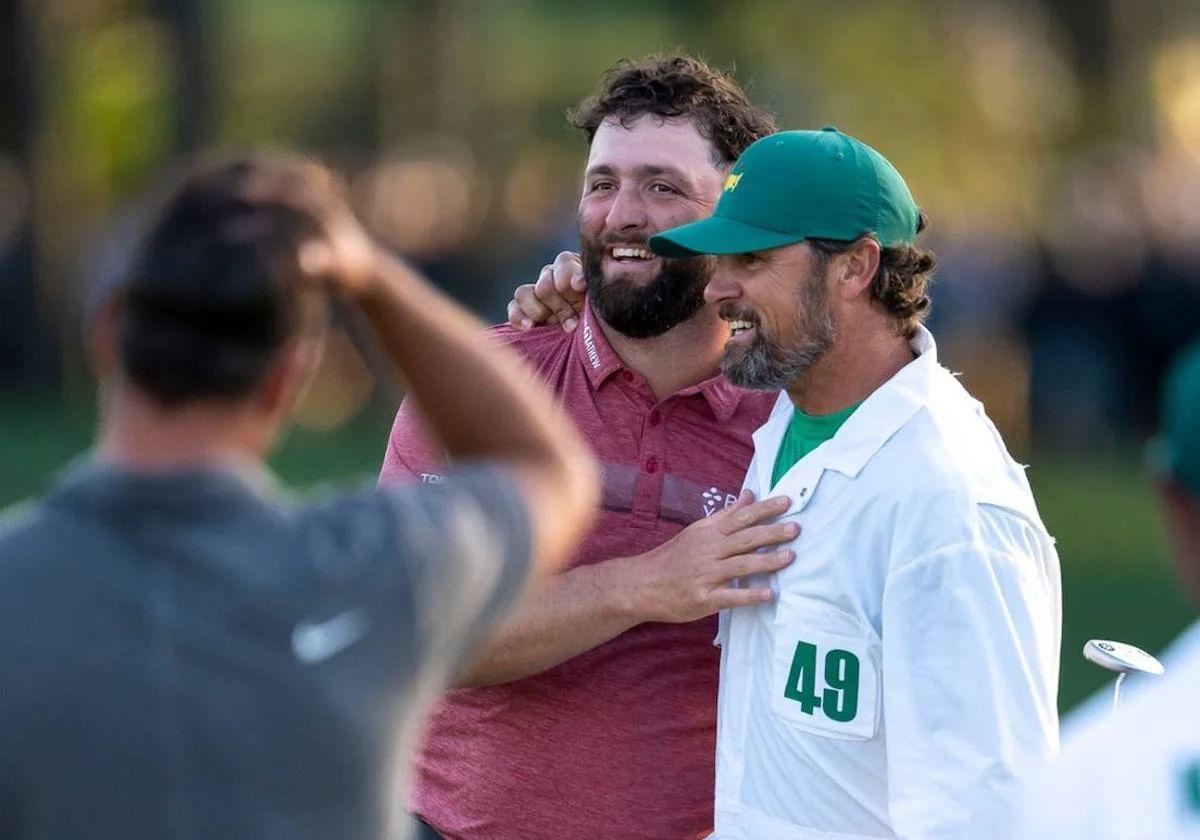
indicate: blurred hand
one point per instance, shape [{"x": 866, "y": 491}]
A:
[
  {"x": 342, "y": 258},
  {"x": 556, "y": 297},
  {"x": 688, "y": 577},
  {"x": 345, "y": 260}
]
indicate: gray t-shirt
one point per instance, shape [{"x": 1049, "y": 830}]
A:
[{"x": 193, "y": 655}]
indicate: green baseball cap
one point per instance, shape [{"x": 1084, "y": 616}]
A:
[
  {"x": 797, "y": 185},
  {"x": 1176, "y": 450}
]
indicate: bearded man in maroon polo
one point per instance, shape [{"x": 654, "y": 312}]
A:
[{"x": 593, "y": 711}]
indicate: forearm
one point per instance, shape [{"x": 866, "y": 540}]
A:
[
  {"x": 561, "y": 617},
  {"x": 462, "y": 384},
  {"x": 481, "y": 404}
]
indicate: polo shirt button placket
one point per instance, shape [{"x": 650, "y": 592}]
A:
[
  {"x": 656, "y": 439},
  {"x": 652, "y": 454}
]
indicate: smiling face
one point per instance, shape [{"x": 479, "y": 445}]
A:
[
  {"x": 643, "y": 178},
  {"x": 777, "y": 304}
]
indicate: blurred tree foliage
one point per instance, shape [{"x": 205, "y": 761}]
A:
[{"x": 449, "y": 116}]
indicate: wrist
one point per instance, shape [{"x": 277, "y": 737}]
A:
[
  {"x": 382, "y": 271},
  {"x": 623, "y": 589}
]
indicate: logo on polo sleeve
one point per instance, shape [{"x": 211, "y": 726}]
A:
[{"x": 314, "y": 642}]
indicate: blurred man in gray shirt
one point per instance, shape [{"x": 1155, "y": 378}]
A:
[{"x": 184, "y": 651}]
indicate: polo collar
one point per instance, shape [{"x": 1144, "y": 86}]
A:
[
  {"x": 598, "y": 358},
  {"x": 601, "y": 361},
  {"x": 723, "y": 397},
  {"x": 873, "y": 423}
]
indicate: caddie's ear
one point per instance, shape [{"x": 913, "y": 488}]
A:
[{"x": 856, "y": 267}]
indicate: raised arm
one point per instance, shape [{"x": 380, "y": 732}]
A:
[{"x": 477, "y": 399}]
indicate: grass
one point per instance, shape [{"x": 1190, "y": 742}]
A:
[
  {"x": 38, "y": 438},
  {"x": 1117, "y": 581}
]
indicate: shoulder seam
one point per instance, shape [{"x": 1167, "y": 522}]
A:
[{"x": 973, "y": 545}]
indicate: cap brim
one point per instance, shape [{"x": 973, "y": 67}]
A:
[{"x": 717, "y": 235}]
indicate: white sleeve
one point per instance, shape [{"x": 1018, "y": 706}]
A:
[
  {"x": 970, "y": 659},
  {"x": 1066, "y": 800}
]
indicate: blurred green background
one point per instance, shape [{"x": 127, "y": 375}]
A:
[{"x": 1055, "y": 146}]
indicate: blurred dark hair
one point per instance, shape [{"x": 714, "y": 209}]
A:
[
  {"x": 670, "y": 85},
  {"x": 215, "y": 289},
  {"x": 901, "y": 285}
]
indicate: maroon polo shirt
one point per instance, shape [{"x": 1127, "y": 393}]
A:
[{"x": 619, "y": 741}]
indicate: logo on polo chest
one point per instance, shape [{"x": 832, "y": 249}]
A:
[
  {"x": 676, "y": 498},
  {"x": 714, "y": 499}
]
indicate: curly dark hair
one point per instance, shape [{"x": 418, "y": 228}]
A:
[
  {"x": 901, "y": 285},
  {"x": 671, "y": 85}
]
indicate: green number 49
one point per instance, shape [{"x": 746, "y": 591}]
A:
[{"x": 839, "y": 699}]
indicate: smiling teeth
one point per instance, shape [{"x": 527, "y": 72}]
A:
[
  {"x": 739, "y": 326},
  {"x": 635, "y": 253}
]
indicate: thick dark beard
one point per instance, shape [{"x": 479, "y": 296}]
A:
[
  {"x": 768, "y": 366},
  {"x": 671, "y": 298}
]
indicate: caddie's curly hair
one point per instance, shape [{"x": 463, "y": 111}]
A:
[
  {"x": 673, "y": 85},
  {"x": 901, "y": 285}
]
